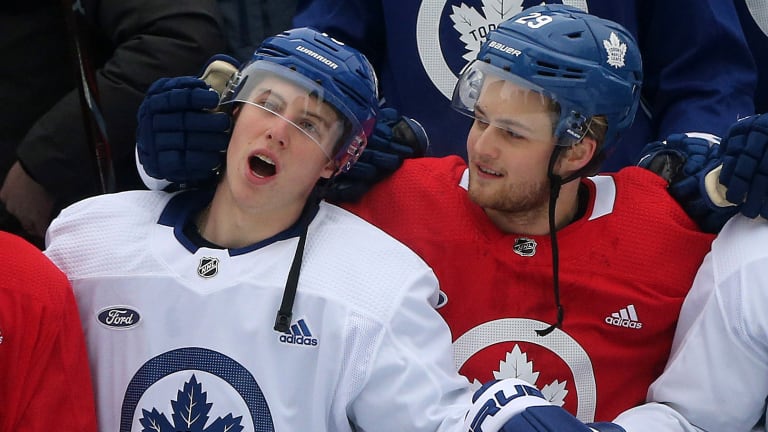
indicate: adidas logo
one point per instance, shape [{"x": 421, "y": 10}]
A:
[
  {"x": 298, "y": 334},
  {"x": 626, "y": 317}
]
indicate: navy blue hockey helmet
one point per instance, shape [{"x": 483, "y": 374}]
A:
[
  {"x": 329, "y": 71},
  {"x": 588, "y": 65}
]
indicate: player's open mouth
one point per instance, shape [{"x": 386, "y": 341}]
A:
[{"x": 262, "y": 166}]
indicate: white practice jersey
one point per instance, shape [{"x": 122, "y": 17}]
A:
[
  {"x": 716, "y": 379},
  {"x": 182, "y": 337}
]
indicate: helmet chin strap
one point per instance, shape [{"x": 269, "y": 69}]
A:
[
  {"x": 285, "y": 313},
  {"x": 555, "y": 182}
]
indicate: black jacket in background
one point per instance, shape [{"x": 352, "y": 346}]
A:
[{"x": 133, "y": 43}]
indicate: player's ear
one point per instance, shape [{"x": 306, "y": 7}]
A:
[
  {"x": 578, "y": 155},
  {"x": 328, "y": 170}
]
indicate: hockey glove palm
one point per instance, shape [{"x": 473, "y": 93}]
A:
[
  {"x": 179, "y": 137},
  {"x": 394, "y": 139}
]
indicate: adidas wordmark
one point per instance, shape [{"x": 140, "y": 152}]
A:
[
  {"x": 625, "y": 317},
  {"x": 298, "y": 334}
]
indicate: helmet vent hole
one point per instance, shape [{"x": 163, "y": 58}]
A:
[
  {"x": 546, "y": 65},
  {"x": 574, "y": 35},
  {"x": 573, "y": 73},
  {"x": 547, "y": 69}
]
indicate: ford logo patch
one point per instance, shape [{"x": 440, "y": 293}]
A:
[{"x": 119, "y": 317}]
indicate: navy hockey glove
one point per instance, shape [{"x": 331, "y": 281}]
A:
[
  {"x": 554, "y": 419},
  {"x": 513, "y": 405},
  {"x": 687, "y": 162},
  {"x": 745, "y": 165},
  {"x": 496, "y": 402},
  {"x": 394, "y": 139},
  {"x": 179, "y": 137}
]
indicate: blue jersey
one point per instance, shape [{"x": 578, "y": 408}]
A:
[
  {"x": 699, "y": 74},
  {"x": 754, "y": 20}
]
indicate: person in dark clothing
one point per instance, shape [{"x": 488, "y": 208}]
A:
[
  {"x": 753, "y": 15},
  {"x": 45, "y": 157},
  {"x": 247, "y": 23},
  {"x": 698, "y": 69}
]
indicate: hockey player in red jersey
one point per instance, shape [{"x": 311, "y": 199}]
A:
[
  {"x": 45, "y": 381},
  {"x": 550, "y": 91},
  {"x": 572, "y": 283}
]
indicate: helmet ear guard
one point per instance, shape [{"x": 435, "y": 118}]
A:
[{"x": 572, "y": 126}]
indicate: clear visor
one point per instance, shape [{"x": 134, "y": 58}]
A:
[
  {"x": 293, "y": 98},
  {"x": 501, "y": 99}
]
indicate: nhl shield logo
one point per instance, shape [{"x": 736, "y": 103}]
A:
[
  {"x": 208, "y": 267},
  {"x": 525, "y": 247}
]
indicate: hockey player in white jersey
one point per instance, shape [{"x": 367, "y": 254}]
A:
[
  {"x": 179, "y": 293},
  {"x": 717, "y": 376}
]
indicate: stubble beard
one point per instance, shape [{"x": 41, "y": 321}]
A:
[{"x": 524, "y": 198}]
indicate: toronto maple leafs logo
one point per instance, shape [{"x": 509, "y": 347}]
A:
[
  {"x": 474, "y": 26},
  {"x": 190, "y": 413},
  {"x": 440, "y": 56},
  {"x": 616, "y": 50},
  {"x": 516, "y": 365}
]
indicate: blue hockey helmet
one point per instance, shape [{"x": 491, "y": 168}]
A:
[
  {"x": 329, "y": 71},
  {"x": 587, "y": 65}
]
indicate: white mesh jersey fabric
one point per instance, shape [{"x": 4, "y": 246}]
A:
[{"x": 365, "y": 342}]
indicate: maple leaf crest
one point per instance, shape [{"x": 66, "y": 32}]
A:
[
  {"x": 616, "y": 50},
  {"x": 474, "y": 26},
  {"x": 190, "y": 413},
  {"x": 516, "y": 365},
  {"x": 555, "y": 392}
]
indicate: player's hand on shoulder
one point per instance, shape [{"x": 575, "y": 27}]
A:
[
  {"x": 686, "y": 161},
  {"x": 513, "y": 405},
  {"x": 180, "y": 136},
  {"x": 744, "y": 172},
  {"x": 395, "y": 138}
]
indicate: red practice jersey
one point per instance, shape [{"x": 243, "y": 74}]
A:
[
  {"x": 625, "y": 267},
  {"x": 44, "y": 376}
]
